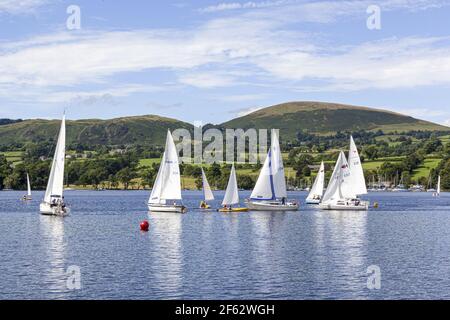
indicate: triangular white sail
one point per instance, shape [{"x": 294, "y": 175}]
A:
[
  {"x": 55, "y": 186},
  {"x": 209, "y": 196},
  {"x": 168, "y": 182},
  {"x": 438, "y": 191},
  {"x": 231, "y": 195},
  {"x": 339, "y": 186},
  {"x": 271, "y": 182},
  {"x": 358, "y": 183},
  {"x": 28, "y": 186},
  {"x": 317, "y": 188}
]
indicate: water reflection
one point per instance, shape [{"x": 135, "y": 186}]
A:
[
  {"x": 340, "y": 241},
  {"x": 166, "y": 251},
  {"x": 52, "y": 235},
  {"x": 268, "y": 251}
]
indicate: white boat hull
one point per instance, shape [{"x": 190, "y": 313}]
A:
[
  {"x": 345, "y": 206},
  {"x": 272, "y": 206},
  {"x": 167, "y": 208},
  {"x": 48, "y": 210},
  {"x": 312, "y": 201}
]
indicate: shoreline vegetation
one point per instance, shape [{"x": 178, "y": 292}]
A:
[
  {"x": 409, "y": 158},
  {"x": 124, "y": 153}
]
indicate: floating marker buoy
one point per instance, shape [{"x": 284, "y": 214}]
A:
[
  {"x": 375, "y": 205},
  {"x": 144, "y": 225}
]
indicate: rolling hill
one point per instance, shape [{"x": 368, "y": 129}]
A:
[
  {"x": 290, "y": 118},
  {"x": 328, "y": 118},
  {"x": 129, "y": 130}
]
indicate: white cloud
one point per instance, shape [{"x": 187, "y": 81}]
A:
[
  {"x": 21, "y": 6},
  {"x": 243, "y": 5},
  {"x": 206, "y": 80},
  {"x": 256, "y": 46},
  {"x": 323, "y": 11},
  {"x": 247, "y": 111}
]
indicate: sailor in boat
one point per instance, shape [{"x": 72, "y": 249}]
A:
[{"x": 204, "y": 205}]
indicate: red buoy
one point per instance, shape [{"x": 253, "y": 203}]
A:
[{"x": 144, "y": 225}]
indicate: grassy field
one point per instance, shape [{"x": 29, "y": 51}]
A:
[
  {"x": 148, "y": 162},
  {"x": 15, "y": 157},
  {"x": 424, "y": 169}
]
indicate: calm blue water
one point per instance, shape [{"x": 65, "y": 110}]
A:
[{"x": 310, "y": 254}]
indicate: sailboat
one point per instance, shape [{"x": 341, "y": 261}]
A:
[
  {"x": 270, "y": 192},
  {"x": 438, "y": 189},
  {"x": 167, "y": 187},
  {"x": 28, "y": 197},
  {"x": 207, "y": 192},
  {"x": 429, "y": 186},
  {"x": 346, "y": 184},
  {"x": 53, "y": 203},
  {"x": 231, "y": 194},
  {"x": 316, "y": 192}
]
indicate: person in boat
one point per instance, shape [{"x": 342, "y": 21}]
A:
[
  {"x": 203, "y": 205},
  {"x": 283, "y": 201}
]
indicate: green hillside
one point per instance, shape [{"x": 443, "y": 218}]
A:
[
  {"x": 328, "y": 118},
  {"x": 314, "y": 117},
  {"x": 143, "y": 129}
]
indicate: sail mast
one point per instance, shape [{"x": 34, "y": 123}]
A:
[
  {"x": 28, "y": 186},
  {"x": 55, "y": 186}
]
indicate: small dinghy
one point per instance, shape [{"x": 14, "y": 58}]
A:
[
  {"x": 207, "y": 192},
  {"x": 232, "y": 195},
  {"x": 316, "y": 193},
  {"x": 28, "y": 196}
]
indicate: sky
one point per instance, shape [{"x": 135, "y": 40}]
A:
[{"x": 211, "y": 61}]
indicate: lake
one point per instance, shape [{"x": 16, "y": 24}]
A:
[{"x": 309, "y": 254}]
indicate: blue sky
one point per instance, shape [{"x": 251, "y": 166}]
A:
[{"x": 211, "y": 61}]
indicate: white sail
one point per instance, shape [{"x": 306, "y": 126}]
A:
[
  {"x": 438, "y": 191},
  {"x": 231, "y": 195},
  {"x": 55, "y": 186},
  {"x": 28, "y": 186},
  {"x": 279, "y": 178},
  {"x": 358, "y": 182},
  {"x": 271, "y": 182},
  {"x": 168, "y": 182},
  {"x": 317, "y": 188},
  {"x": 209, "y": 196},
  {"x": 339, "y": 186}
]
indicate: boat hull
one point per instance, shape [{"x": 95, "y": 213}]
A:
[
  {"x": 233, "y": 210},
  {"x": 167, "y": 208},
  {"x": 362, "y": 206},
  {"x": 271, "y": 206},
  {"x": 47, "y": 210},
  {"x": 312, "y": 201}
]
